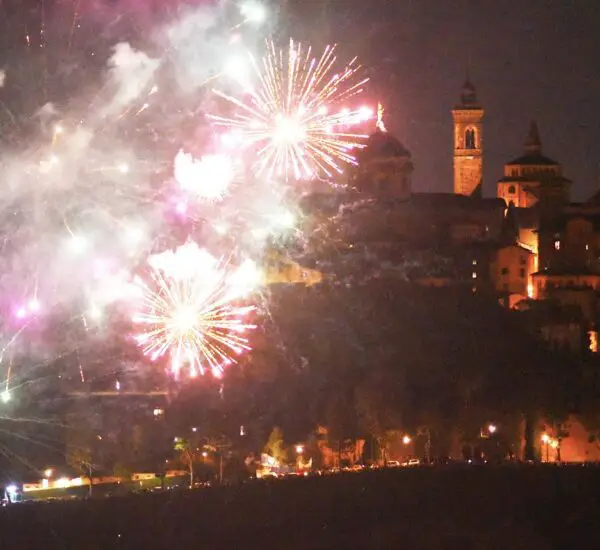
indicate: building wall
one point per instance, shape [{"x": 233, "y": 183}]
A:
[
  {"x": 468, "y": 162},
  {"x": 390, "y": 177},
  {"x": 521, "y": 195},
  {"x": 545, "y": 283},
  {"x": 511, "y": 270},
  {"x": 577, "y": 243}
]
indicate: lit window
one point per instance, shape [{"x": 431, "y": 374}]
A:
[
  {"x": 474, "y": 262},
  {"x": 474, "y": 275},
  {"x": 557, "y": 245}
]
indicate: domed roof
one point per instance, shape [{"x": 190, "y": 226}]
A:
[
  {"x": 533, "y": 151},
  {"x": 383, "y": 145}
]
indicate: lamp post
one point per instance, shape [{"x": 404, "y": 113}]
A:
[
  {"x": 299, "y": 451},
  {"x": 546, "y": 441}
]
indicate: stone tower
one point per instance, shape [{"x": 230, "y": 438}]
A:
[{"x": 468, "y": 142}]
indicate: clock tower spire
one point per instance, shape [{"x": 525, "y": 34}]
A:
[{"x": 468, "y": 141}]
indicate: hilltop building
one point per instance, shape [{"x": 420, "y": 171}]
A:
[{"x": 468, "y": 142}]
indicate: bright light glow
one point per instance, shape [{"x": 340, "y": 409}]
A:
[
  {"x": 292, "y": 119},
  {"x": 12, "y": 490},
  {"x": 123, "y": 168},
  {"x": 299, "y": 449},
  {"x": 208, "y": 178},
  {"x": 492, "y": 428},
  {"x": 5, "y": 396},
  {"x": 21, "y": 313},
  {"x": 159, "y": 412},
  {"x": 285, "y": 220},
  {"x": 62, "y": 483},
  {"x": 406, "y": 439},
  {"x": 204, "y": 454},
  {"x": 221, "y": 228},
  {"x": 78, "y": 244},
  {"x": 239, "y": 70},
  {"x": 48, "y": 472},
  {"x": 545, "y": 438},
  {"x": 253, "y": 12},
  {"x": 95, "y": 312},
  {"x": 34, "y": 305},
  {"x": 134, "y": 235},
  {"x": 190, "y": 310}
]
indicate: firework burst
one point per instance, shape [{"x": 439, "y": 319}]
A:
[
  {"x": 192, "y": 310},
  {"x": 294, "y": 115},
  {"x": 208, "y": 178}
]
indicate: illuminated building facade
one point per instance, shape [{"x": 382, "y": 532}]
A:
[{"x": 468, "y": 142}]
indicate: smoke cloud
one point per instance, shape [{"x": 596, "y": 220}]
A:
[{"x": 131, "y": 72}]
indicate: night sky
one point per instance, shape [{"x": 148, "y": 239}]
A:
[{"x": 532, "y": 59}]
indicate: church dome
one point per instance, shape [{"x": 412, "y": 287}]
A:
[{"x": 383, "y": 145}]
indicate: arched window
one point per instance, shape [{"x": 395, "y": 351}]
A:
[
  {"x": 511, "y": 190},
  {"x": 470, "y": 139}
]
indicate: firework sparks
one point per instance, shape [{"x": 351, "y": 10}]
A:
[
  {"x": 294, "y": 115},
  {"x": 191, "y": 310}
]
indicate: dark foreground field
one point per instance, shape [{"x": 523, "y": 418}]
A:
[{"x": 528, "y": 508}]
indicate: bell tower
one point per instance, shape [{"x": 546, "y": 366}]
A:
[{"x": 468, "y": 142}]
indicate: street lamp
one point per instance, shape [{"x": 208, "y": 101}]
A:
[
  {"x": 546, "y": 441},
  {"x": 299, "y": 449},
  {"x": 406, "y": 439},
  {"x": 48, "y": 473},
  {"x": 492, "y": 428}
]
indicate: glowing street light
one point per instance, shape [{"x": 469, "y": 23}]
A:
[
  {"x": 406, "y": 439},
  {"x": 492, "y": 428},
  {"x": 299, "y": 449},
  {"x": 48, "y": 473}
]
